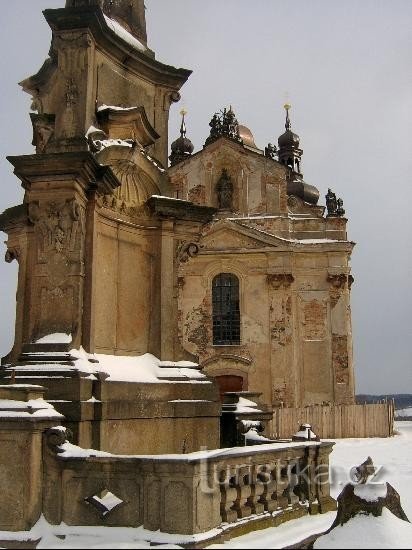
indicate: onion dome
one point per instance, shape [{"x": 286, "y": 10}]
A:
[
  {"x": 182, "y": 147},
  {"x": 289, "y": 138},
  {"x": 289, "y": 153}
]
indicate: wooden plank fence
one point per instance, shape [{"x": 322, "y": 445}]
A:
[{"x": 336, "y": 421}]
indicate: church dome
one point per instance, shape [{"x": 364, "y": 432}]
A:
[
  {"x": 288, "y": 139},
  {"x": 246, "y": 136},
  {"x": 182, "y": 145}
]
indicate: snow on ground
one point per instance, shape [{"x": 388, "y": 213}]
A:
[
  {"x": 391, "y": 456},
  {"x": 386, "y": 531},
  {"x": 403, "y": 412}
]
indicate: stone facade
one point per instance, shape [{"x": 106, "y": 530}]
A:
[
  {"x": 292, "y": 263},
  {"x": 120, "y": 253}
]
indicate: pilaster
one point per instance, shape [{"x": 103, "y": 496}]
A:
[{"x": 53, "y": 262}]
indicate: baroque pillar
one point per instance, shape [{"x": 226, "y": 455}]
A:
[{"x": 51, "y": 283}]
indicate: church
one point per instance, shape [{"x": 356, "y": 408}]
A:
[
  {"x": 172, "y": 306},
  {"x": 222, "y": 261}
]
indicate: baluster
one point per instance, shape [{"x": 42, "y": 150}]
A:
[
  {"x": 228, "y": 497},
  {"x": 244, "y": 488}
]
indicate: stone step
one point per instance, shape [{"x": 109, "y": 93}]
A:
[
  {"x": 51, "y": 370},
  {"x": 45, "y": 348},
  {"x": 39, "y": 363}
]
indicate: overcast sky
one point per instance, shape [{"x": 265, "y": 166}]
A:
[{"x": 346, "y": 67}]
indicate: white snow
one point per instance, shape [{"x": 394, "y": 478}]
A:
[
  {"x": 403, "y": 412},
  {"x": 56, "y": 338},
  {"x": 246, "y": 406},
  {"x": 169, "y": 198},
  {"x": 304, "y": 433},
  {"x": 115, "y": 108},
  {"x": 103, "y": 143},
  {"x": 143, "y": 368},
  {"x": 122, "y": 33},
  {"x": 33, "y": 408},
  {"x": 386, "y": 531},
  {"x": 107, "y": 499},
  {"x": 370, "y": 492}
]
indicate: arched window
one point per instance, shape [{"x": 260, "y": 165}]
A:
[{"x": 226, "y": 313}]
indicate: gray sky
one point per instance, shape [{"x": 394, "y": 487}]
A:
[{"x": 346, "y": 67}]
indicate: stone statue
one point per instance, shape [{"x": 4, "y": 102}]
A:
[
  {"x": 331, "y": 203},
  {"x": 224, "y": 189},
  {"x": 270, "y": 151},
  {"x": 340, "y": 211},
  {"x": 224, "y": 124}
]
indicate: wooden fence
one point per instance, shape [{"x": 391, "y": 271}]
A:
[{"x": 337, "y": 421}]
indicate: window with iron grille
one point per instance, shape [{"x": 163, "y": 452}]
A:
[{"x": 226, "y": 313}]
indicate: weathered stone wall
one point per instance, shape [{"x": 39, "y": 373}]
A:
[{"x": 295, "y": 327}]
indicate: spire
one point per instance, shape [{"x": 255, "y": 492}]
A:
[
  {"x": 287, "y": 106},
  {"x": 183, "y": 112},
  {"x": 289, "y": 152},
  {"x": 130, "y": 14},
  {"x": 182, "y": 148}
]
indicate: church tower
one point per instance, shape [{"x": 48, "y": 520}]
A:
[
  {"x": 129, "y": 14},
  {"x": 100, "y": 127}
]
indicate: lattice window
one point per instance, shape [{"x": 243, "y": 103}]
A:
[{"x": 226, "y": 312}]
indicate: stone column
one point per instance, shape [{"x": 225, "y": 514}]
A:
[{"x": 24, "y": 416}]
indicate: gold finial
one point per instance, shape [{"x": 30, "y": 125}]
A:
[
  {"x": 183, "y": 112},
  {"x": 287, "y": 106}
]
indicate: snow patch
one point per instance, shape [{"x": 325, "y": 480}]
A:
[
  {"x": 370, "y": 492},
  {"x": 403, "y": 412},
  {"x": 122, "y": 33},
  {"x": 146, "y": 369},
  {"x": 56, "y": 338},
  {"x": 366, "y": 531}
]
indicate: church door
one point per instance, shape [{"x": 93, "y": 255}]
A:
[{"x": 229, "y": 382}]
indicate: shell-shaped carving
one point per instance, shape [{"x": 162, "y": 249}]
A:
[{"x": 136, "y": 184}]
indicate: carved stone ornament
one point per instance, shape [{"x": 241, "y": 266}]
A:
[
  {"x": 351, "y": 280},
  {"x": 337, "y": 280},
  {"x": 55, "y": 437},
  {"x": 224, "y": 191},
  {"x": 55, "y": 224},
  {"x": 187, "y": 251},
  {"x": 13, "y": 253},
  {"x": 43, "y": 130},
  {"x": 277, "y": 280}
]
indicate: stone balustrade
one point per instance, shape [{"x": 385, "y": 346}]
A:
[
  {"x": 211, "y": 487},
  {"x": 207, "y": 492}
]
